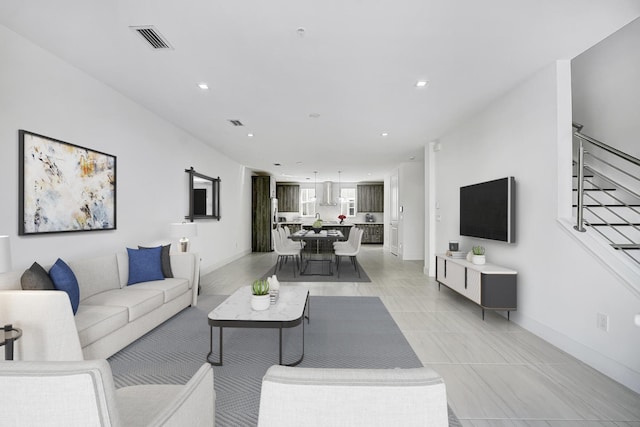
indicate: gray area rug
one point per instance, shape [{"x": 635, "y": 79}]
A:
[
  {"x": 317, "y": 272},
  {"x": 344, "y": 332}
]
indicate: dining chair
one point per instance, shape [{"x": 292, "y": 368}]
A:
[
  {"x": 285, "y": 252},
  {"x": 284, "y": 238},
  {"x": 350, "y": 239},
  {"x": 351, "y": 251}
]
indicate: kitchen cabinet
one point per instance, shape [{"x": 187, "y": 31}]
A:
[
  {"x": 372, "y": 233},
  {"x": 288, "y": 197},
  {"x": 293, "y": 227},
  {"x": 370, "y": 197}
]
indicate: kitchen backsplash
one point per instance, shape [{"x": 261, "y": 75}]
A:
[{"x": 329, "y": 213}]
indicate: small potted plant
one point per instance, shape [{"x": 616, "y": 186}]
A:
[
  {"x": 260, "y": 299},
  {"x": 317, "y": 226},
  {"x": 478, "y": 257},
  {"x": 342, "y": 218}
]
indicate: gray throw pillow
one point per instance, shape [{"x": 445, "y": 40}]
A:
[
  {"x": 36, "y": 278},
  {"x": 165, "y": 260}
]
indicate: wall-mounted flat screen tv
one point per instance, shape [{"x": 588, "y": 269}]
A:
[{"x": 487, "y": 210}]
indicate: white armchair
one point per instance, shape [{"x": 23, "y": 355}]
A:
[
  {"x": 82, "y": 394},
  {"x": 49, "y": 331},
  {"x": 317, "y": 397}
]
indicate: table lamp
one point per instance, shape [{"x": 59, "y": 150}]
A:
[
  {"x": 5, "y": 254},
  {"x": 184, "y": 230}
]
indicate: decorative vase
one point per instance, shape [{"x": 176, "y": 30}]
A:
[
  {"x": 317, "y": 230},
  {"x": 341, "y": 221},
  {"x": 478, "y": 259},
  {"x": 260, "y": 302}
]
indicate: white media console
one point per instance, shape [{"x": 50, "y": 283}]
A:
[{"x": 490, "y": 286}]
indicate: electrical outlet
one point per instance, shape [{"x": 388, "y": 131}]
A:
[{"x": 602, "y": 322}]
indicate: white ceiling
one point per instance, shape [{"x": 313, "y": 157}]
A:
[{"x": 356, "y": 67}]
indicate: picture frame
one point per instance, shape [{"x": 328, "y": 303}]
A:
[{"x": 64, "y": 187}]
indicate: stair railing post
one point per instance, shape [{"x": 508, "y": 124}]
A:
[{"x": 580, "y": 211}]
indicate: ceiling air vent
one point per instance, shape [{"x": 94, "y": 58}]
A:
[
  {"x": 152, "y": 36},
  {"x": 235, "y": 122}
]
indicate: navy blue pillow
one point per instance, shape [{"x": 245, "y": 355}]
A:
[
  {"x": 144, "y": 265},
  {"x": 64, "y": 280},
  {"x": 165, "y": 260}
]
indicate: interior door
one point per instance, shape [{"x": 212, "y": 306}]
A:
[{"x": 393, "y": 215}]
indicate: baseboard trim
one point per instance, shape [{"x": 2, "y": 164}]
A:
[
  {"x": 208, "y": 268},
  {"x": 607, "y": 366}
]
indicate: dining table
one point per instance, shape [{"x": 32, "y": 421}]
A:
[{"x": 318, "y": 250}]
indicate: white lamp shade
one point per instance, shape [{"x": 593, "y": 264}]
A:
[
  {"x": 184, "y": 229},
  {"x": 5, "y": 254}
]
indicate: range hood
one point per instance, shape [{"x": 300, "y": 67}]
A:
[{"x": 327, "y": 194}]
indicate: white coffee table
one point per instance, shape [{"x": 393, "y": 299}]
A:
[{"x": 236, "y": 312}]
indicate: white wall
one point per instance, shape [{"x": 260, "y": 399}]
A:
[
  {"x": 43, "y": 94},
  {"x": 561, "y": 286},
  {"x": 411, "y": 194},
  {"x": 606, "y": 99}
]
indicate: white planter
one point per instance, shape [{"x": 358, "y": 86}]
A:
[
  {"x": 478, "y": 259},
  {"x": 260, "y": 302}
]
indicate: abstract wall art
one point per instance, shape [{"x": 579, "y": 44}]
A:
[{"x": 64, "y": 187}]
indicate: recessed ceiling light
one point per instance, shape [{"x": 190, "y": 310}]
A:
[
  {"x": 422, "y": 83},
  {"x": 298, "y": 163},
  {"x": 412, "y": 158},
  {"x": 384, "y": 134},
  {"x": 250, "y": 135},
  {"x": 314, "y": 115},
  {"x": 277, "y": 164},
  {"x": 203, "y": 86}
]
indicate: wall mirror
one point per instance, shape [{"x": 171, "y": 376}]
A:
[{"x": 204, "y": 196}]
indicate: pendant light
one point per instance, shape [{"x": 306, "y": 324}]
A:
[{"x": 315, "y": 185}]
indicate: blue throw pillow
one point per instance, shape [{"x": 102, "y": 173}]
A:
[
  {"x": 64, "y": 280},
  {"x": 145, "y": 265},
  {"x": 165, "y": 260}
]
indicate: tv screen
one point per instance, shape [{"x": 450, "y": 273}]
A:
[{"x": 487, "y": 210}]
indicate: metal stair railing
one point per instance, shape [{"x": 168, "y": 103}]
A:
[{"x": 604, "y": 170}]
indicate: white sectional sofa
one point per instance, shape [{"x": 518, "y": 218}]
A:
[{"x": 111, "y": 314}]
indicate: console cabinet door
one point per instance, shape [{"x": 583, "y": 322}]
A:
[
  {"x": 474, "y": 280},
  {"x": 451, "y": 274}
]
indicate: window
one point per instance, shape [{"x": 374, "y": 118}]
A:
[
  {"x": 307, "y": 202},
  {"x": 348, "y": 201}
]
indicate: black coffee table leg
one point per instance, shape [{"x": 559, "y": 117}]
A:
[{"x": 219, "y": 363}]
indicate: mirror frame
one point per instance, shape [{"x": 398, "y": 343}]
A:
[{"x": 215, "y": 196}]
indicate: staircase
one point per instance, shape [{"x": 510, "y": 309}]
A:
[{"x": 607, "y": 194}]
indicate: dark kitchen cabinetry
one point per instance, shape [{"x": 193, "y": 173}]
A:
[
  {"x": 372, "y": 233},
  {"x": 292, "y": 227},
  {"x": 288, "y": 197},
  {"x": 370, "y": 197}
]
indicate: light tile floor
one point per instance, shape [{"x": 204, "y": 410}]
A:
[{"x": 496, "y": 373}]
